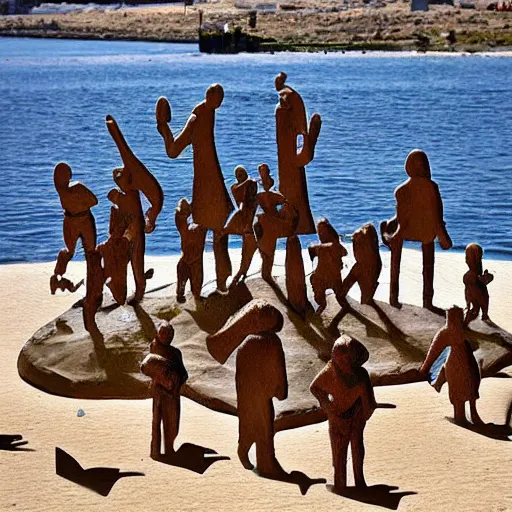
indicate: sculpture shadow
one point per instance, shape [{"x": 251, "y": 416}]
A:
[
  {"x": 380, "y": 495},
  {"x": 295, "y": 477},
  {"x": 192, "y": 457},
  {"x": 13, "y": 443},
  {"x": 99, "y": 480},
  {"x": 146, "y": 322}
]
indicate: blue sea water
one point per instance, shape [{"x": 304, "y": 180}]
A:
[{"x": 54, "y": 95}]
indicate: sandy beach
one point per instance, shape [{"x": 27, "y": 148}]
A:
[
  {"x": 413, "y": 447},
  {"x": 321, "y": 24}
]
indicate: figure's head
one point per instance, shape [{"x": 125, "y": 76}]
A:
[
  {"x": 122, "y": 178},
  {"x": 474, "y": 255},
  {"x": 165, "y": 334},
  {"x": 348, "y": 353},
  {"x": 240, "y": 174},
  {"x": 118, "y": 222},
  {"x": 266, "y": 180},
  {"x": 326, "y": 233},
  {"x": 365, "y": 241},
  {"x": 455, "y": 317},
  {"x": 417, "y": 164},
  {"x": 62, "y": 175},
  {"x": 184, "y": 207},
  {"x": 214, "y": 96},
  {"x": 280, "y": 81}
]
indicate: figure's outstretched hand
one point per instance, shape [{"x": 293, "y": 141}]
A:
[{"x": 163, "y": 111}]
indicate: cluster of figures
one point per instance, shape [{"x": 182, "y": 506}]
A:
[{"x": 343, "y": 387}]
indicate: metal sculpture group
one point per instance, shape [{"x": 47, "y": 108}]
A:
[{"x": 343, "y": 388}]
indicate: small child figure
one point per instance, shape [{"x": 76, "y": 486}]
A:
[
  {"x": 460, "y": 369},
  {"x": 327, "y": 274},
  {"x": 476, "y": 281},
  {"x": 345, "y": 393},
  {"x": 164, "y": 364},
  {"x": 190, "y": 266}
]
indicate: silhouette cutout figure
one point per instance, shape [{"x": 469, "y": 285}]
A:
[
  {"x": 132, "y": 179},
  {"x": 278, "y": 220},
  {"x": 475, "y": 282},
  {"x": 345, "y": 393},
  {"x": 211, "y": 204},
  {"x": 419, "y": 218},
  {"x": 291, "y": 122},
  {"x": 164, "y": 364},
  {"x": 260, "y": 376},
  {"x": 327, "y": 274},
  {"x": 366, "y": 270},
  {"x": 190, "y": 265},
  {"x": 460, "y": 369},
  {"x": 241, "y": 223},
  {"x": 76, "y": 200}
]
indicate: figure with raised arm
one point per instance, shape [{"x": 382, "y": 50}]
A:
[
  {"x": 327, "y": 274},
  {"x": 132, "y": 179},
  {"x": 419, "y": 218},
  {"x": 460, "y": 368},
  {"x": 260, "y": 376},
  {"x": 211, "y": 204},
  {"x": 345, "y": 393},
  {"x": 291, "y": 122},
  {"x": 76, "y": 200},
  {"x": 475, "y": 282},
  {"x": 164, "y": 364},
  {"x": 190, "y": 265}
]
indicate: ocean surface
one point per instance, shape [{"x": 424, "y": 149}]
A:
[{"x": 54, "y": 95}]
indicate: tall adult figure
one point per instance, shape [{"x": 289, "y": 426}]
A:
[
  {"x": 291, "y": 121},
  {"x": 211, "y": 204}
]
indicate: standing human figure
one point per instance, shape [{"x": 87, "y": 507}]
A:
[
  {"x": 291, "y": 122},
  {"x": 76, "y": 200},
  {"x": 132, "y": 179},
  {"x": 419, "y": 218},
  {"x": 211, "y": 204}
]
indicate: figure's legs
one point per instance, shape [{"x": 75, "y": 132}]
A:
[
  {"x": 222, "y": 261},
  {"x": 357, "y": 443},
  {"x": 244, "y": 445},
  {"x": 485, "y": 307},
  {"x": 267, "y": 246},
  {"x": 183, "y": 274},
  {"x": 339, "y": 447},
  {"x": 475, "y": 417},
  {"x": 459, "y": 412},
  {"x": 249, "y": 247},
  {"x": 196, "y": 278},
  {"x": 88, "y": 233},
  {"x": 396, "y": 257},
  {"x": 156, "y": 433},
  {"x": 337, "y": 288},
  {"x": 139, "y": 246},
  {"x": 171, "y": 409},
  {"x": 471, "y": 313},
  {"x": 428, "y": 274},
  {"x": 320, "y": 298},
  {"x": 266, "y": 461},
  {"x": 71, "y": 235}
]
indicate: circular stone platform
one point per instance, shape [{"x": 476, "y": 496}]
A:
[{"x": 60, "y": 357}]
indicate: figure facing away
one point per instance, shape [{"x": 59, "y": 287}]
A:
[
  {"x": 366, "y": 270},
  {"x": 345, "y": 393},
  {"x": 190, "y": 265},
  {"x": 291, "y": 121},
  {"x": 211, "y": 204},
  {"x": 460, "y": 369},
  {"x": 76, "y": 200},
  {"x": 419, "y": 218},
  {"x": 260, "y": 376},
  {"x": 241, "y": 223},
  {"x": 327, "y": 274},
  {"x": 164, "y": 364},
  {"x": 278, "y": 220},
  {"x": 475, "y": 282},
  {"x": 132, "y": 179}
]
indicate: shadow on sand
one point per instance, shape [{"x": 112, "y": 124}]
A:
[
  {"x": 13, "y": 443},
  {"x": 380, "y": 495}
]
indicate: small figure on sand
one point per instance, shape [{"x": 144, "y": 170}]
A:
[
  {"x": 345, "y": 393},
  {"x": 164, "y": 364},
  {"x": 419, "y": 218},
  {"x": 327, "y": 274},
  {"x": 76, "y": 200},
  {"x": 190, "y": 265},
  {"x": 211, "y": 204},
  {"x": 460, "y": 369},
  {"x": 260, "y": 376},
  {"x": 475, "y": 282}
]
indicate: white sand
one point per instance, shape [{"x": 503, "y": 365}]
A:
[{"x": 413, "y": 447}]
